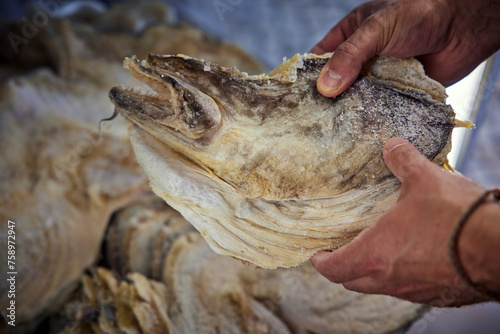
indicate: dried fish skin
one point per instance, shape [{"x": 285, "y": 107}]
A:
[{"x": 265, "y": 167}]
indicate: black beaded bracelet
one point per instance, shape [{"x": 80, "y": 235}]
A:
[{"x": 455, "y": 254}]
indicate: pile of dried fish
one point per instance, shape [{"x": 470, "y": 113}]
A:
[
  {"x": 197, "y": 291},
  {"x": 59, "y": 180},
  {"x": 265, "y": 167}
]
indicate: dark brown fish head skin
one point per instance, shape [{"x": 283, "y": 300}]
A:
[
  {"x": 276, "y": 137},
  {"x": 174, "y": 106},
  {"x": 193, "y": 96}
]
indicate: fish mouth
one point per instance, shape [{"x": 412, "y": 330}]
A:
[{"x": 174, "y": 104}]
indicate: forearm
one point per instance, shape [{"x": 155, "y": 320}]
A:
[{"x": 479, "y": 246}]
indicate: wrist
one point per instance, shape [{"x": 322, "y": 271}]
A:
[{"x": 478, "y": 246}]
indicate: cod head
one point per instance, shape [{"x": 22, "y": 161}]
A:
[{"x": 268, "y": 169}]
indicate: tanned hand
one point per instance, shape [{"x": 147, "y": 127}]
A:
[
  {"x": 405, "y": 253},
  {"x": 449, "y": 37}
]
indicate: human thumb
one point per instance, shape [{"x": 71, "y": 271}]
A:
[
  {"x": 402, "y": 158},
  {"x": 338, "y": 74},
  {"x": 344, "y": 66}
]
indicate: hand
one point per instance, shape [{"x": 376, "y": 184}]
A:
[
  {"x": 450, "y": 38},
  {"x": 405, "y": 253}
]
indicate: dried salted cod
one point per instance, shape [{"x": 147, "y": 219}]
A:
[
  {"x": 112, "y": 305},
  {"x": 60, "y": 182},
  {"x": 266, "y": 168},
  {"x": 209, "y": 293},
  {"x": 139, "y": 237}
]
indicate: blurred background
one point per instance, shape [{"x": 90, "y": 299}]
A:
[{"x": 272, "y": 30}]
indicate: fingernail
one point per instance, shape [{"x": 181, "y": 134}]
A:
[
  {"x": 330, "y": 81},
  {"x": 393, "y": 143}
]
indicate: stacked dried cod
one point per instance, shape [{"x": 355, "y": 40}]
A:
[
  {"x": 60, "y": 181},
  {"x": 265, "y": 167},
  {"x": 186, "y": 288}
]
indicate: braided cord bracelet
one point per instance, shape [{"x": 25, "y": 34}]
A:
[{"x": 454, "y": 254}]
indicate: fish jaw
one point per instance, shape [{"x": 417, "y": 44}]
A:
[{"x": 176, "y": 109}]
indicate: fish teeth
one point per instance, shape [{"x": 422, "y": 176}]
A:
[
  {"x": 147, "y": 92},
  {"x": 153, "y": 94}
]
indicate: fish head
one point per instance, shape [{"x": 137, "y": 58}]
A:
[
  {"x": 275, "y": 136},
  {"x": 215, "y": 116},
  {"x": 192, "y": 98},
  {"x": 180, "y": 108},
  {"x": 265, "y": 167}
]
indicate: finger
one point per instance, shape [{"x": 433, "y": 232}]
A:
[
  {"x": 334, "y": 267},
  {"x": 403, "y": 159},
  {"x": 346, "y": 62},
  {"x": 420, "y": 292},
  {"x": 346, "y": 27},
  {"x": 349, "y": 262},
  {"x": 445, "y": 69},
  {"x": 337, "y": 35},
  {"x": 364, "y": 284}
]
